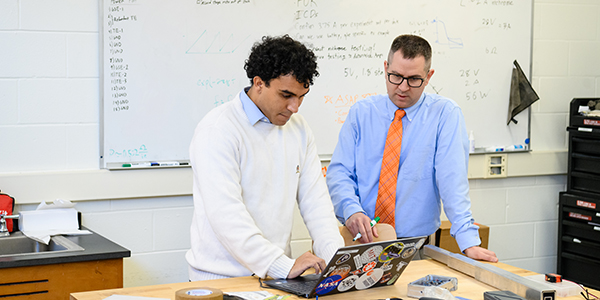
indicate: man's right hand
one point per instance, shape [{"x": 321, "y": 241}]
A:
[
  {"x": 360, "y": 222},
  {"x": 305, "y": 262}
]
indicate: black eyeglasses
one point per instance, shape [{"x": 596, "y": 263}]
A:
[{"x": 413, "y": 82}]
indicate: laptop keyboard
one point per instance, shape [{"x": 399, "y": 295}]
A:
[{"x": 303, "y": 287}]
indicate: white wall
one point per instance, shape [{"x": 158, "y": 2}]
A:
[{"x": 49, "y": 107}]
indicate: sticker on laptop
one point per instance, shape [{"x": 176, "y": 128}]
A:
[
  {"x": 328, "y": 284},
  {"x": 401, "y": 265},
  {"x": 390, "y": 252},
  {"x": 371, "y": 254},
  {"x": 370, "y": 266},
  {"x": 393, "y": 280},
  {"x": 357, "y": 262},
  {"x": 343, "y": 259},
  {"x": 369, "y": 279},
  {"x": 387, "y": 266},
  {"x": 408, "y": 252},
  {"x": 347, "y": 283},
  {"x": 342, "y": 270},
  {"x": 386, "y": 277}
]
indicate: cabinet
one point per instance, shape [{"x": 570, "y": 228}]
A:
[
  {"x": 578, "y": 257},
  {"x": 54, "y": 275},
  {"x": 57, "y": 281}
]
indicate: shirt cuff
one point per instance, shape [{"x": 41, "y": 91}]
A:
[
  {"x": 281, "y": 267},
  {"x": 468, "y": 238},
  {"x": 352, "y": 209}
]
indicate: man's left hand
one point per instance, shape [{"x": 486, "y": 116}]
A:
[{"x": 479, "y": 253}]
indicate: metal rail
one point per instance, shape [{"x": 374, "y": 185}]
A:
[{"x": 492, "y": 275}]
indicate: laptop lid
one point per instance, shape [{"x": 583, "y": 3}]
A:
[{"x": 356, "y": 267}]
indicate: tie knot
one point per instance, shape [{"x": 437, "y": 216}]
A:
[{"x": 399, "y": 114}]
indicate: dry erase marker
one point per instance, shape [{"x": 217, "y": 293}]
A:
[
  {"x": 143, "y": 164},
  {"x": 373, "y": 222},
  {"x": 168, "y": 163}
]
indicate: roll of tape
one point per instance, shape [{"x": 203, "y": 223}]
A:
[{"x": 201, "y": 293}]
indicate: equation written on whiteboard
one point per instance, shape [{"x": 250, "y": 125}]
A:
[
  {"x": 220, "y": 86},
  {"x": 139, "y": 152},
  {"x": 475, "y": 90}
]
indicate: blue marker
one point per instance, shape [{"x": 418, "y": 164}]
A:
[
  {"x": 515, "y": 147},
  {"x": 494, "y": 149}
]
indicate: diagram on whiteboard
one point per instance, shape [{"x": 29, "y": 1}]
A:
[
  {"x": 217, "y": 43},
  {"x": 442, "y": 36}
]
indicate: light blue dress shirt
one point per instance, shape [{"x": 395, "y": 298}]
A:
[
  {"x": 252, "y": 111},
  {"x": 433, "y": 164}
]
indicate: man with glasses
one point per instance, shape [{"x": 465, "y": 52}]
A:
[{"x": 427, "y": 132}]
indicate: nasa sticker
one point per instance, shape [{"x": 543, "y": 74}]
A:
[
  {"x": 371, "y": 254},
  {"x": 328, "y": 284},
  {"x": 347, "y": 283},
  {"x": 343, "y": 259},
  {"x": 369, "y": 279},
  {"x": 390, "y": 252}
]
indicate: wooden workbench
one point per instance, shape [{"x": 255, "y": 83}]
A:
[{"x": 468, "y": 287}]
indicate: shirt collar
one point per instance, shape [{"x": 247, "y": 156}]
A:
[
  {"x": 252, "y": 111},
  {"x": 410, "y": 111}
]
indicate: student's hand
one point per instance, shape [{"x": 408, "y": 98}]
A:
[
  {"x": 305, "y": 262},
  {"x": 359, "y": 222},
  {"x": 479, "y": 253}
]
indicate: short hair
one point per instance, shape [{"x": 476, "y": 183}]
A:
[
  {"x": 411, "y": 47},
  {"x": 277, "y": 56}
]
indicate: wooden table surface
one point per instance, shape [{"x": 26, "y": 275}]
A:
[{"x": 468, "y": 287}]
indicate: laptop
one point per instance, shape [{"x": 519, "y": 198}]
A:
[{"x": 356, "y": 267}]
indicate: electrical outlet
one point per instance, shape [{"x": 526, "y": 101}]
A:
[{"x": 495, "y": 165}]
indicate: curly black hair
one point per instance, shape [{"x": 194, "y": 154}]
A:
[{"x": 277, "y": 56}]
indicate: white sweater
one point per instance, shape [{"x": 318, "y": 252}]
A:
[{"x": 247, "y": 178}]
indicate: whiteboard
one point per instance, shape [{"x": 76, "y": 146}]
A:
[{"x": 165, "y": 64}]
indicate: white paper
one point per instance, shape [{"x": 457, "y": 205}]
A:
[
  {"x": 59, "y": 218},
  {"x": 58, "y": 203},
  {"x": 44, "y": 236},
  {"x": 255, "y": 295}
]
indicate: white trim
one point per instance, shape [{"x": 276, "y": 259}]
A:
[{"x": 84, "y": 185}]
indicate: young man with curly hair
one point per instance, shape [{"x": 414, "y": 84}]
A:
[{"x": 253, "y": 159}]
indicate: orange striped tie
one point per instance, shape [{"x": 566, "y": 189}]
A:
[{"x": 386, "y": 195}]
